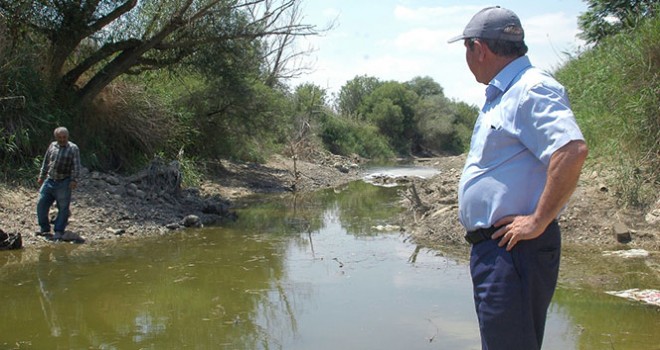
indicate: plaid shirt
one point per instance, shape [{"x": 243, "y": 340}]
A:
[{"x": 61, "y": 162}]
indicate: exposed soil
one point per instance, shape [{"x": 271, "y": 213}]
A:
[
  {"x": 108, "y": 208},
  {"x": 593, "y": 223},
  {"x": 593, "y": 217}
]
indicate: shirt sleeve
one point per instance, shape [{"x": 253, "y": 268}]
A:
[
  {"x": 75, "y": 172},
  {"x": 45, "y": 164},
  {"x": 546, "y": 122}
]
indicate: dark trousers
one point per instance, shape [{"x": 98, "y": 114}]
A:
[{"x": 512, "y": 290}]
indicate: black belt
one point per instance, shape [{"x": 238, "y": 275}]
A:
[{"x": 480, "y": 235}]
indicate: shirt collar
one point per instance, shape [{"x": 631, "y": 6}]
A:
[{"x": 505, "y": 77}]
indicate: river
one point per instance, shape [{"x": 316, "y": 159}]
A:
[{"x": 328, "y": 270}]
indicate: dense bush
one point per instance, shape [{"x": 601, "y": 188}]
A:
[
  {"x": 345, "y": 137},
  {"x": 444, "y": 126}
]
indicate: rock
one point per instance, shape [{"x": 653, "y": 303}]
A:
[
  {"x": 387, "y": 227},
  {"x": 653, "y": 216},
  {"x": 215, "y": 208},
  {"x": 10, "y": 240},
  {"x": 173, "y": 226},
  {"x": 115, "y": 190},
  {"x": 631, "y": 253},
  {"x": 622, "y": 233},
  {"x": 342, "y": 168},
  {"x": 130, "y": 192},
  {"x": 69, "y": 236},
  {"x": 191, "y": 221},
  {"x": 113, "y": 180},
  {"x": 116, "y": 232}
]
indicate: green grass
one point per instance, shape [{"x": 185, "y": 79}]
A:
[{"x": 615, "y": 94}]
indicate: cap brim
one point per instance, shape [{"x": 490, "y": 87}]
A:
[{"x": 456, "y": 38}]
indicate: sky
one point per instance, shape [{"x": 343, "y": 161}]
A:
[{"x": 402, "y": 39}]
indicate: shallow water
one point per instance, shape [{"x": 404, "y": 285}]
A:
[{"x": 294, "y": 272}]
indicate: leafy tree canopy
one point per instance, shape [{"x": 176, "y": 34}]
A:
[
  {"x": 353, "y": 94},
  {"x": 608, "y": 17},
  {"x": 89, "y": 43},
  {"x": 425, "y": 87}
]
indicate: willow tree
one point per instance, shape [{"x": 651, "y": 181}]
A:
[{"x": 92, "y": 42}]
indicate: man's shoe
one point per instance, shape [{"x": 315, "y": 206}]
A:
[
  {"x": 58, "y": 236},
  {"x": 44, "y": 235}
]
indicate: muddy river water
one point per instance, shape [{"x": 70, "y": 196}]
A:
[{"x": 328, "y": 270}]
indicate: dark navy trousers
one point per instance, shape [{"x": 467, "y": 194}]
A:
[{"x": 512, "y": 290}]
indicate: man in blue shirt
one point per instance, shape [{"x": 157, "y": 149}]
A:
[
  {"x": 525, "y": 159},
  {"x": 58, "y": 176}
]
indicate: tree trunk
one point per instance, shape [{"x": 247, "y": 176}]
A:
[{"x": 122, "y": 63}]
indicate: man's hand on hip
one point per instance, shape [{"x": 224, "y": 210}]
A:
[{"x": 515, "y": 229}]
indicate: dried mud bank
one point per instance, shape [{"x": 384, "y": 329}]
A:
[
  {"x": 593, "y": 225},
  {"x": 109, "y": 208},
  {"x": 593, "y": 217}
]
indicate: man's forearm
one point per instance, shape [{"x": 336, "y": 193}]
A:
[
  {"x": 44, "y": 166},
  {"x": 563, "y": 174}
]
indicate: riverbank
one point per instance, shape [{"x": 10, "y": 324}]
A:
[
  {"x": 593, "y": 216},
  {"x": 595, "y": 227},
  {"x": 110, "y": 209}
]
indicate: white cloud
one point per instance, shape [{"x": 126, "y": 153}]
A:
[
  {"x": 395, "y": 40},
  {"x": 394, "y": 67},
  {"x": 420, "y": 40},
  {"x": 434, "y": 14},
  {"x": 556, "y": 27}
]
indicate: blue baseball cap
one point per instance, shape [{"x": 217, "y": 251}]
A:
[{"x": 493, "y": 23}]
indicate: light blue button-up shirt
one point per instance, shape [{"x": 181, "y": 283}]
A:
[{"x": 525, "y": 119}]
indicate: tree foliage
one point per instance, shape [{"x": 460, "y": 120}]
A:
[
  {"x": 425, "y": 87},
  {"x": 136, "y": 78},
  {"x": 414, "y": 117},
  {"x": 353, "y": 94},
  {"x": 310, "y": 111},
  {"x": 92, "y": 42},
  {"x": 391, "y": 107},
  {"x": 608, "y": 17},
  {"x": 348, "y": 136}
]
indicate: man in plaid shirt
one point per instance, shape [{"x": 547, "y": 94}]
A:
[{"x": 59, "y": 175}]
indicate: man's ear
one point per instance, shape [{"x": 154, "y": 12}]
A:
[{"x": 481, "y": 50}]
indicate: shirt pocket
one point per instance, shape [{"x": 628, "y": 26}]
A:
[{"x": 496, "y": 143}]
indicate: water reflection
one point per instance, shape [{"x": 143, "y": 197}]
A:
[
  {"x": 294, "y": 272},
  {"x": 357, "y": 206},
  {"x": 601, "y": 321}
]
